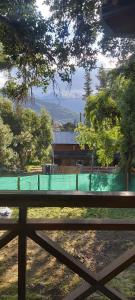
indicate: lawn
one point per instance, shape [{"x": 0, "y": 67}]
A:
[{"x": 48, "y": 279}]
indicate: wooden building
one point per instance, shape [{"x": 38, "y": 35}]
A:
[{"x": 66, "y": 150}]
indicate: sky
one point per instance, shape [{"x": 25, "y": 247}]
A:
[{"x": 43, "y": 8}]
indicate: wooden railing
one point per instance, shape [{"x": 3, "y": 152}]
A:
[{"x": 33, "y": 229}]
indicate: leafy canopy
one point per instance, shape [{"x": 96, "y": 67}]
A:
[
  {"x": 40, "y": 47},
  {"x": 101, "y": 133},
  {"x": 27, "y": 135}
]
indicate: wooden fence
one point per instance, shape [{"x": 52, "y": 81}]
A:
[{"x": 33, "y": 228}]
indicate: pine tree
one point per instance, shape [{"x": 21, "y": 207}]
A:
[
  {"x": 87, "y": 85},
  {"x": 102, "y": 78}
]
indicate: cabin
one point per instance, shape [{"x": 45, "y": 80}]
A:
[{"x": 66, "y": 150}]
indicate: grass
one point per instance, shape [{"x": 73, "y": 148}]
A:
[
  {"x": 49, "y": 280},
  {"x": 81, "y": 213},
  {"x": 114, "y": 213}
]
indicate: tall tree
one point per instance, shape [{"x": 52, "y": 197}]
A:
[
  {"x": 31, "y": 133},
  {"x": 7, "y": 155},
  {"x": 30, "y": 44},
  {"x": 101, "y": 133},
  {"x": 39, "y": 48},
  {"x": 102, "y": 78},
  {"x": 87, "y": 23},
  {"x": 87, "y": 85},
  {"x": 126, "y": 103}
]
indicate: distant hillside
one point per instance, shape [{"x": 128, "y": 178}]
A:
[{"x": 57, "y": 112}]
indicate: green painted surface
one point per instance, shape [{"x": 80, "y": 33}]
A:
[
  {"x": 29, "y": 183},
  {"x": 69, "y": 182},
  {"x": 56, "y": 182},
  {"x": 8, "y": 183}
]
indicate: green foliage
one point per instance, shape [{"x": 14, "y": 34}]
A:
[
  {"x": 39, "y": 48},
  {"x": 82, "y": 18},
  {"x": 7, "y": 155},
  {"x": 102, "y": 77},
  {"x": 126, "y": 104},
  {"x": 68, "y": 127},
  {"x": 101, "y": 133},
  {"x": 89, "y": 34},
  {"x": 30, "y": 43},
  {"x": 104, "y": 141},
  {"x": 110, "y": 118},
  {"x": 30, "y": 134},
  {"x": 101, "y": 108},
  {"x": 87, "y": 85}
]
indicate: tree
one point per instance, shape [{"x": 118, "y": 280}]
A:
[
  {"x": 24, "y": 146},
  {"x": 31, "y": 133},
  {"x": 102, "y": 78},
  {"x": 101, "y": 133},
  {"x": 110, "y": 116},
  {"x": 126, "y": 103},
  {"x": 68, "y": 127},
  {"x": 39, "y": 48},
  {"x": 7, "y": 155},
  {"x": 43, "y": 136},
  {"x": 88, "y": 24},
  {"x": 87, "y": 85},
  {"x": 101, "y": 108},
  {"x": 29, "y": 43}
]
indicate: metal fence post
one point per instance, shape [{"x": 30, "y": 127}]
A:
[
  {"x": 76, "y": 182},
  {"x": 18, "y": 183},
  {"x": 38, "y": 182}
]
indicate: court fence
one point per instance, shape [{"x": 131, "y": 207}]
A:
[{"x": 69, "y": 182}]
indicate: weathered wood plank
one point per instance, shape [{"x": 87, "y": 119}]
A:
[
  {"x": 68, "y": 224},
  {"x": 67, "y": 199},
  {"x": 82, "y": 224}
]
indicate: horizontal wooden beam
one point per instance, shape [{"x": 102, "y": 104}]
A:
[
  {"x": 68, "y": 224},
  {"x": 67, "y": 199}
]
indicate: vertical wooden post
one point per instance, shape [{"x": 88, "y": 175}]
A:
[
  {"x": 76, "y": 182},
  {"x": 18, "y": 183},
  {"x": 22, "y": 246},
  {"x": 38, "y": 182}
]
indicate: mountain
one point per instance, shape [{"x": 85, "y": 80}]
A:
[
  {"x": 63, "y": 102},
  {"x": 58, "y": 112}
]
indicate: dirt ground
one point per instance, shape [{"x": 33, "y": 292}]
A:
[{"x": 49, "y": 280}]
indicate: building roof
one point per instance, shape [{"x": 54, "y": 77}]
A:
[{"x": 65, "y": 137}]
